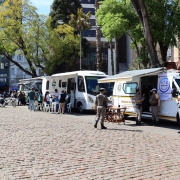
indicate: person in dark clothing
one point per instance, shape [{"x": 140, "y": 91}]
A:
[
  {"x": 62, "y": 100},
  {"x": 20, "y": 97}
]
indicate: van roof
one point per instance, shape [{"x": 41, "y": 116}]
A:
[
  {"x": 127, "y": 75},
  {"x": 88, "y": 73}
]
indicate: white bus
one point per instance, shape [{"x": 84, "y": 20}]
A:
[{"x": 81, "y": 86}]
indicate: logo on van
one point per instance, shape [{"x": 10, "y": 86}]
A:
[
  {"x": 164, "y": 85},
  {"x": 54, "y": 83}
]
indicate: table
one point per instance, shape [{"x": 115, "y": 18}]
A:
[{"x": 115, "y": 114}]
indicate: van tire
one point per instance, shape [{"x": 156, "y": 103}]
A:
[
  {"x": 80, "y": 108},
  {"x": 178, "y": 119}
]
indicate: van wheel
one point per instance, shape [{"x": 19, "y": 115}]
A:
[
  {"x": 80, "y": 108},
  {"x": 178, "y": 119}
]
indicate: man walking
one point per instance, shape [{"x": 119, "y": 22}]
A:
[
  {"x": 100, "y": 105},
  {"x": 155, "y": 104},
  {"x": 138, "y": 101},
  {"x": 31, "y": 96}
]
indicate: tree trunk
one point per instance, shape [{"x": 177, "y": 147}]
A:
[
  {"x": 117, "y": 55},
  {"x": 163, "y": 49},
  {"x": 112, "y": 59},
  {"x": 141, "y": 11},
  {"x": 98, "y": 42}
]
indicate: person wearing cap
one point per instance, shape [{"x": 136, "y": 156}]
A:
[
  {"x": 100, "y": 106},
  {"x": 155, "y": 104},
  {"x": 138, "y": 101}
]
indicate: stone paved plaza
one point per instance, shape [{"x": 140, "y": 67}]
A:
[{"x": 47, "y": 146}]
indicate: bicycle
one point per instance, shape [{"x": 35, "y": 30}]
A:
[{"x": 9, "y": 101}]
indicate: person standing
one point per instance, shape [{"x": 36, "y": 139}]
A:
[
  {"x": 62, "y": 100},
  {"x": 155, "y": 104},
  {"x": 56, "y": 100},
  {"x": 138, "y": 101},
  {"x": 100, "y": 106},
  {"x": 31, "y": 96}
]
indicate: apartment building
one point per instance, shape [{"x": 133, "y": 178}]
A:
[{"x": 16, "y": 73}]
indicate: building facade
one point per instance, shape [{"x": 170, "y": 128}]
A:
[
  {"x": 4, "y": 74},
  {"x": 16, "y": 73}
]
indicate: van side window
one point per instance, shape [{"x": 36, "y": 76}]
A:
[
  {"x": 47, "y": 85},
  {"x": 64, "y": 84},
  {"x": 130, "y": 88},
  {"x": 81, "y": 86},
  {"x": 59, "y": 83}
]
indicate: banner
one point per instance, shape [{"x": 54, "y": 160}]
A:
[{"x": 164, "y": 87}]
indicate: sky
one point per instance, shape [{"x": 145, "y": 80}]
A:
[{"x": 43, "y": 6}]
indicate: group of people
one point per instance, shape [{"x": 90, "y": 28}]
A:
[
  {"x": 154, "y": 104},
  {"x": 60, "y": 99},
  {"x": 20, "y": 96},
  {"x": 101, "y": 102}
]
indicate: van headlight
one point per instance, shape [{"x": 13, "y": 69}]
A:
[{"x": 90, "y": 99}]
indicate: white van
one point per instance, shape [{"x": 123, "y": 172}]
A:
[
  {"x": 24, "y": 85},
  {"x": 81, "y": 86},
  {"x": 167, "y": 83}
]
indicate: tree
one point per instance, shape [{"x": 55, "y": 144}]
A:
[
  {"x": 24, "y": 31},
  {"x": 98, "y": 40},
  {"x": 62, "y": 9},
  {"x": 142, "y": 13},
  {"x": 166, "y": 14},
  {"x": 64, "y": 48},
  {"x": 81, "y": 23},
  {"x": 16, "y": 19},
  {"x": 118, "y": 18}
]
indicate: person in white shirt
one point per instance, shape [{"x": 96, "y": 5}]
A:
[{"x": 47, "y": 97}]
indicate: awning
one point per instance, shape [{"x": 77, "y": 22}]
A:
[{"x": 128, "y": 75}]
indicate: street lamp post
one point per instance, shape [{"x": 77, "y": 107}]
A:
[{"x": 80, "y": 47}]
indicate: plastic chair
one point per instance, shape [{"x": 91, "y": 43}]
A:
[{"x": 69, "y": 107}]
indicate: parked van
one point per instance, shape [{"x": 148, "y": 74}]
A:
[
  {"x": 167, "y": 83},
  {"x": 81, "y": 86},
  {"x": 24, "y": 85}
]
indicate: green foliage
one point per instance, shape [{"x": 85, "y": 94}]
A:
[
  {"x": 80, "y": 21},
  {"x": 64, "y": 47},
  {"x": 62, "y": 9},
  {"x": 24, "y": 31}
]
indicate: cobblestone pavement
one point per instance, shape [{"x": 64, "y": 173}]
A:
[{"x": 45, "y": 146}]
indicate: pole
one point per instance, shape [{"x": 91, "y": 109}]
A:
[{"x": 80, "y": 49}]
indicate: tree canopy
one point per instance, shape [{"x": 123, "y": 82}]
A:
[
  {"x": 24, "y": 31},
  {"x": 62, "y": 9},
  {"x": 149, "y": 23}
]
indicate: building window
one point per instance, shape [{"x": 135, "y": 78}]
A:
[
  {"x": 12, "y": 71},
  {"x": 19, "y": 57},
  {"x": 19, "y": 72},
  {"x": 2, "y": 65}
]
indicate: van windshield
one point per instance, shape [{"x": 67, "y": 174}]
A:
[{"x": 93, "y": 86}]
